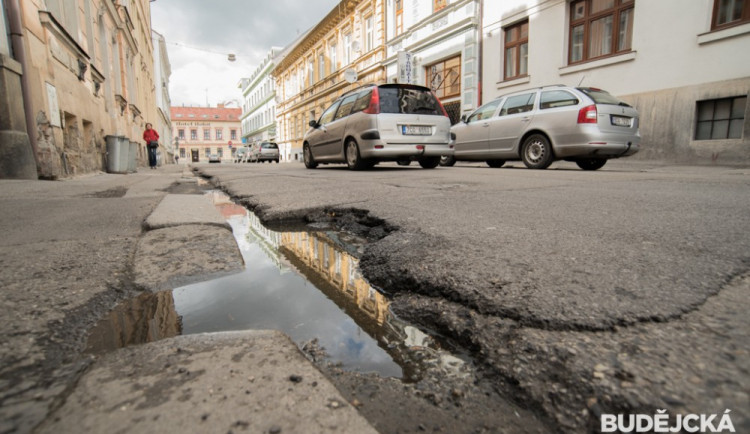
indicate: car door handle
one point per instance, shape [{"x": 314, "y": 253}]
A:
[
  {"x": 485, "y": 125},
  {"x": 525, "y": 119}
]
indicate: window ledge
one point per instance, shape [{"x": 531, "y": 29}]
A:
[
  {"x": 513, "y": 82},
  {"x": 718, "y": 35},
  {"x": 626, "y": 57}
]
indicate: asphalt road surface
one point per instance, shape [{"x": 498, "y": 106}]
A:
[{"x": 588, "y": 293}]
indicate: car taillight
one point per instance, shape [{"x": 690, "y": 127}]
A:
[
  {"x": 445, "y": 113},
  {"x": 587, "y": 115},
  {"x": 374, "y": 107}
]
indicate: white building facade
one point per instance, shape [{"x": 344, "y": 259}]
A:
[
  {"x": 163, "y": 124},
  {"x": 259, "y": 105},
  {"x": 683, "y": 65},
  {"x": 436, "y": 43}
]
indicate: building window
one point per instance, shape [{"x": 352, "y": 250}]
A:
[
  {"x": 233, "y": 135},
  {"x": 193, "y": 134},
  {"x": 444, "y": 78},
  {"x": 206, "y": 134},
  {"x": 728, "y": 13},
  {"x": 600, "y": 28},
  {"x": 321, "y": 66},
  {"x": 208, "y": 152},
  {"x": 368, "y": 34},
  {"x": 439, "y": 4},
  {"x": 310, "y": 71},
  {"x": 720, "y": 119},
  {"x": 219, "y": 134},
  {"x": 399, "y": 17},
  {"x": 220, "y": 152},
  {"x": 347, "y": 49},
  {"x": 334, "y": 61},
  {"x": 517, "y": 50},
  {"x": 181, "y": 134}
]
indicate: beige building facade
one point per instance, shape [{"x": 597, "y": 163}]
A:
[
  {"x": 200, "y": 132},
  {"x": 343, "y": 51},
  {"x": 86, "y": 72}
]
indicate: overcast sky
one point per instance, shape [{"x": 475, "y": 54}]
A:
[{"x": 200, "y": 34}]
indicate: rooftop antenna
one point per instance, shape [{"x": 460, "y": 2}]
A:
[{"x": 579, "y": 83}]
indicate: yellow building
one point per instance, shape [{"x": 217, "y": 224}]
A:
[
  {"x": 84, "y": 72},
  {"x": 203, "y": 131},
  {"x": 343, "y": 51}
]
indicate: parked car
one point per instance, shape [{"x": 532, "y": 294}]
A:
[
  {"x": 387, "y": 122},
  {"x": 214, "y": 158},
  {"x": 538, "y": 126},
  {"x": 241, "y": 155},
  {"x": 264, "y": 151}
]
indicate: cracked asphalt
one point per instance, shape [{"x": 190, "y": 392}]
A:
[{"x": 620, "y": 290}]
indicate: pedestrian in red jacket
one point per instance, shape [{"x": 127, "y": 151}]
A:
[{"x": 152, "y": 142}]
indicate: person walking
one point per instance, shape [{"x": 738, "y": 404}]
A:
[{"x": 152, "y": 143}]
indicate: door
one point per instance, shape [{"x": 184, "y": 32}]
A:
[
  {"x": 334, "y": 147},
  {"x": 472, "y": 136},
  {"x": 194, "y": 155},
  {"x": 510, "y": 123},
  {"x": 319, "y": 139}
]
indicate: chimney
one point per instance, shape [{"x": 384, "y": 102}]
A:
[{"x": 219, "y": 105}]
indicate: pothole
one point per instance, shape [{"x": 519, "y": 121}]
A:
[{"x": 304, "y": 282}]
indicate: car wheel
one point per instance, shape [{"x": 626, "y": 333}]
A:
[
  {"x": 308, "y": 157},
  {"x": 447, "y": 160},
  {"x": 277, "y": 161},
  {"x": 495, "y": 163},
  {"x": 403, "y": 162},
  {"x": 429, "y": 162},
  {"x": 536, "y": 152},
  {"x": 353, "y": 159},
  {"x": 591, "y": 163}
]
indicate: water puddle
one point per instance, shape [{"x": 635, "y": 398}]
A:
[{"x": 304, "y": 283}]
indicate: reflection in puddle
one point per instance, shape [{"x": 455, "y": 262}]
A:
[{"x": 306, "y": 284}]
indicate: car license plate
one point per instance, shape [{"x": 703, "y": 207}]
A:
[
  {"x": 621, "y": 121},
  {"x": 416, "y": 130}
]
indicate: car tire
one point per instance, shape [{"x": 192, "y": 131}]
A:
[
  {"x": 308, "y": 158},
  {"x": 429, "y": 162},
  {"x": 447, "y": 161},
  {"x": 536, "y": 152},
  {"x": 591, "y": 163},
  {"x": 403, "y": 162},
  {"x": 353, "y": 158},
  {"x": 495, "y": 164},
  {"x": 277, "y": 161}
]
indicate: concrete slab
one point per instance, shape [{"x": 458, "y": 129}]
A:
[
  {"x": 182, "y": 209},
  {"x": 249, "y": 381},
  {"x": 202, "y": 252}
]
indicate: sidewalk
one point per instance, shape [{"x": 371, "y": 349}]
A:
[{"x": 71, "y": 251}]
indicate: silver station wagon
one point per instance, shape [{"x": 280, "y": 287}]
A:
[
  {"x": 538, "y": 126},
  {"x": 388, "y": 122}
]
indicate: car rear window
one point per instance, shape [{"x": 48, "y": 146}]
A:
[
  {"x": 269, "y": 146},
  {"x": 408, "y": 100},
  {"x": 602, "y": 96}
]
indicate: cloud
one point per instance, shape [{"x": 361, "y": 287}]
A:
[{"x": 200, "y": 34}]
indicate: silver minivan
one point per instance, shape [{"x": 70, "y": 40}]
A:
[
  {"x": 264, "y": 151},
  {"x": 387, "y": 122},
  {"x": 538, "y": 126}
]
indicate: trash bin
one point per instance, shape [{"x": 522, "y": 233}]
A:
[
  {"x": 115, "y": 161},
  {"x": 133, "y": 157}
]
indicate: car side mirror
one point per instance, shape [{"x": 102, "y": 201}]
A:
[
  {"x": 313, "y": 124},
  {"x": 464, "y": 119}
]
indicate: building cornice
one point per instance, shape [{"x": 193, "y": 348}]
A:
[{"x": 338, "y": 14}]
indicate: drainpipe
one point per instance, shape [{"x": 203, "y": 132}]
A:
[
  {"x": 17, "y": 44},
  {"x": 481, "y": 49}
]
